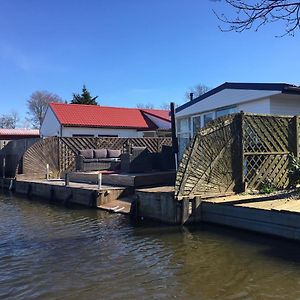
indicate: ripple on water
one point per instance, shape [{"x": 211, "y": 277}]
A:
[{"x": 50, "y": 252}]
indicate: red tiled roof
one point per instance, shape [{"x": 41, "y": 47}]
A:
[
  {"x": 105, "y": 116},
  {"x": 19, "y": 132}
]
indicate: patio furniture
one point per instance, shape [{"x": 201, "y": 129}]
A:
[
  {"x": 138, "y": 160},
  {"x": 98, "y": 159}
]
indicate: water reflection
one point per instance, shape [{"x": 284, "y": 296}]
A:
[{"x": 50, "y": 252}]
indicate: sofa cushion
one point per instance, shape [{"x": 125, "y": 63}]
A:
[
  {"x": 90, "y": 160},
  {"x": 87, "y": 153},
  {"x": 113, "y": 153},
  {"x": 100, "y": 153},
  {"x": 108, "y": 159}
]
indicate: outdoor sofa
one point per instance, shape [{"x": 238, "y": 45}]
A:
[
  {"x": 98, "y": 159},
  {"x": 134, "y": 160}
]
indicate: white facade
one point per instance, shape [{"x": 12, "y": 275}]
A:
[
  {"x": 96, "y": 132},
  {"x": 228, "y": 101},
  {"x": 285, "y": 105},
  {"x": 50, "y": 125}
]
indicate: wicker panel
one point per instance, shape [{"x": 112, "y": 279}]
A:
[
  {"x": 267, "y": 142},
  {"x": 238, "y": 152},
  {"x": 208, "y": 164},
  {"x": 60, "y": 153},
  {"x": 39, "y": 155}
]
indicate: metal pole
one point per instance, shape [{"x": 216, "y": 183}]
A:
[{"x": 99, "y": 181}]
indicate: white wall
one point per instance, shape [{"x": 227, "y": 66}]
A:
[
  {"x": 285, "y": 105},
  {"x": 69, "y": 131},
  {"x": 50, "y": 125},
  {"x": 261, "y": 106},
  {"x": 225, "y": 98}
]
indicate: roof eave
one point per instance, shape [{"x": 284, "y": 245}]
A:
[
  {"x": 104, "y": 126},
  {"x": 281, "y": 87}
]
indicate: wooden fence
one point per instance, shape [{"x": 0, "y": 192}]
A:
[
  {"x": 237, "y": 153},
  {"x": 60, "y": 153},
  {"x": 11, "y": 156}
]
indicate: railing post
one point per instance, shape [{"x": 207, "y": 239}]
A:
[
  {"x": 47, "y": 171},
  {"x": 241, "y": 150},
  {"x": 99, "y": 181},
  {"x": 67, "y": 179}
]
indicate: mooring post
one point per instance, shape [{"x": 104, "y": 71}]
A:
[
  {"x": 185, "y": 203},
  {"x": 67, "y": 179},
  {"x": 99, "y": 181},
  {"x": 47, "y": 171}
]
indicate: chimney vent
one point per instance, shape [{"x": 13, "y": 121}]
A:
[{"x": 191, "y": 96}]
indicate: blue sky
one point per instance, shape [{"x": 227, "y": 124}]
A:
[{"x": 131, "y": 51}]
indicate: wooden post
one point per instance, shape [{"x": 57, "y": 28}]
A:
[
  {"x": 242, "y": 156},
  {"x": 184, "y": 210},
  {"x": 67, "y": 179},
  {"x": 47, "y": 171},
  {"x": 297, "y": 136},
  {"x": 174, "y": 137}
]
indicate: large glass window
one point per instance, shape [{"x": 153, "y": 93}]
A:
[
  {"x": 225, "y": 111},
  {"x": 183, "y": 125},
  {"x": 183, "y": 134},
  {"x": 207, "y": 117},
  {"x": 196, "y": 123}
]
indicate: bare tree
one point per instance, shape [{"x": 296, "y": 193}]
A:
[
  {"x": 165, "y": 106},
  {"x": 258, "y": 13},
  {"x": 145, "y": 105},
  {"x": 9, "y": 120},
  {"x": 37, "y": 105},
  {"x": 197, "y": 91}
]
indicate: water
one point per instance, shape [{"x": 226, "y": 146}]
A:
[{"x": 52, "y": 252}]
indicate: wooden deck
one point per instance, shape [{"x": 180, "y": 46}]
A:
[
  {"x": 125, "y": 179},
  {"x": 121, "y": 206},
  {"x": 286, "y": 201}
]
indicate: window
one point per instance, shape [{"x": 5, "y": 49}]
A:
[
  {"x": 183, "y": 125},
  {"x": 82, "y": 135},
  {"x": 225, "y": 111},
  {"x": 183, "y": 134},
  {"x": 196, "y": 123},
  {"x": 207, "y": 117}
]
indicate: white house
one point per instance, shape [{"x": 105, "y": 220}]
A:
[
  {"x": 7, "y": 135},
  {"x": 76, "y": 120},
  {"x": 261, "y": 98}
]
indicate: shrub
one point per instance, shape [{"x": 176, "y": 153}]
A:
[
  {"x": 267, "y": 187},
  {"x": 294, "y": 170}
]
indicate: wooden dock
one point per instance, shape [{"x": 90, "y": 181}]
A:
[
  {"x": 79, "y": 193},
  {"x": 277, "y": 214}
]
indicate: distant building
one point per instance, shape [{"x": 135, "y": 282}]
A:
[
  {"x": 228, "y": 98},
  {"x": 7, "y": 135},
  {"x": 77, "y": 120}
]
